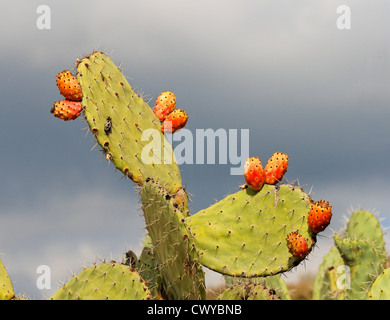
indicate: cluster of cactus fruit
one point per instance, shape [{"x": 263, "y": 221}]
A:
[
  {"x": 165, "y": 110},
  {"x": 69, "y": 108},
  {"x": 251, "y": 236}
]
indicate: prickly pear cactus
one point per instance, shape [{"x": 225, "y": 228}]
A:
[
  {"x": 361, "y": 251},
  {"x": 182, "y": 276},
  {"x": 275, "y": 284},
  {"x": 248, "y": 234},
  {"x": 363, "y": 225},
  {"x": 249, "y": 291},
  {"x": 124, "y": 125},
  {"x": 106, "y": 281},
  {"x": 6, "y": 287},
  {"x": 380, "y": 289},
  {"x": 130, "y": 135},
  {"x": 326, "y": 286},
  {"x": 148, "y": 269},
  {"x": 365, "y": 263},
  {"x": 245, "y": 233}
]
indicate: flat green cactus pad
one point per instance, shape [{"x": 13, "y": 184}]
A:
[
  {"x": 183, "y": 277},
  {"x": 249, "y": 291},
  {"x": 365, "y": 263},
  {"x": 6, "y": 288},
  {"x": 245, "y": 233},
  {"x": 325, "y": 283},
  {"x": 275, "y": 284},
  {"x": 106, "y": 281},
  {"x": 124, "y": 125},
  {"x": 350, "y": 268},
  {"x": 364, "y": 225},
  {"x": 148, "y": 269},
  {"x": 380, "y": 289}
]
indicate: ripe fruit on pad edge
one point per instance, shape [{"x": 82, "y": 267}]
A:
[
  {"x": 253, "y": 173},
  {"x": 276, "y": 168},
  {"x": 319, "y": 216},
  {"x": 297, "y": 245}
]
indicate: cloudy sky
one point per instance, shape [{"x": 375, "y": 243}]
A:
[{"x": 281, "y": 69}]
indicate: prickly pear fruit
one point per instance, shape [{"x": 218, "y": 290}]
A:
[
  {"x": 276, "y": 168},
  {"x": 253, "y": 173},
  {"x": 175, "y": 121},
  {"x": 66, "y": 110},
  {"x": 319, "y": 216},
  {"x": 165, "y": 104},
  {"x": 297, "y": 245},
  {"x": 69, "y": 86}
]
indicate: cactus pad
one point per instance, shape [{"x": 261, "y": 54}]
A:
[
  {"x": 148, "y": 269},
  {"x": 6, "y": 288},
  {"x": 245, "y": 233},
  {"x": 275, "y": 283},
  {"x": 249, "y": 291},
  {"x": 325, "y": 283},
  {"x": 176, "y": 257},
  {"x": 365, "y": 263},
  {"x": 363, "y": 225},
  {"x": 124, "y": 125},
  {"x": 106, "y": 281},
  {"x": 380, "y": 289}
]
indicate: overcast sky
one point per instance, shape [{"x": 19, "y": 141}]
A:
[{"x": 281, "y": 69}]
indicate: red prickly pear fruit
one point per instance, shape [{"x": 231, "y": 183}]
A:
[
  {"x": 253, "y": 173},
  {"x": 69, "y": 86},
  {"x": 165, "y": 104},
  {"x": 175, "y": 121},
  {"x": 319, "y": 216},
  {"x": 276, "y": 168},
  {"x": 66, "y": 110},
  {"x": 297, "y": 245}
]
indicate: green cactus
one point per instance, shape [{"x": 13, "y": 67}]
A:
[
  {"x": 124, "y": 125},
  {"x": 106, "y": 281},
  {"x": 245, "y": 233},
  {"x": 325, "y": 284},
  {"x": 120, "y": 121},
  {"x": 6, "y": 287},
  {"x": 363, "y": 225},
  {"x": 274, "y": 283},
  {"x": 380, "y": 289},
  {"x": 177, "y": 259},
  {"x": 249, "y": 291},
  {"x": 361, "y": 250},
  {"x": 148, "y": 269},
  {"x": 365, "y": 263}
]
